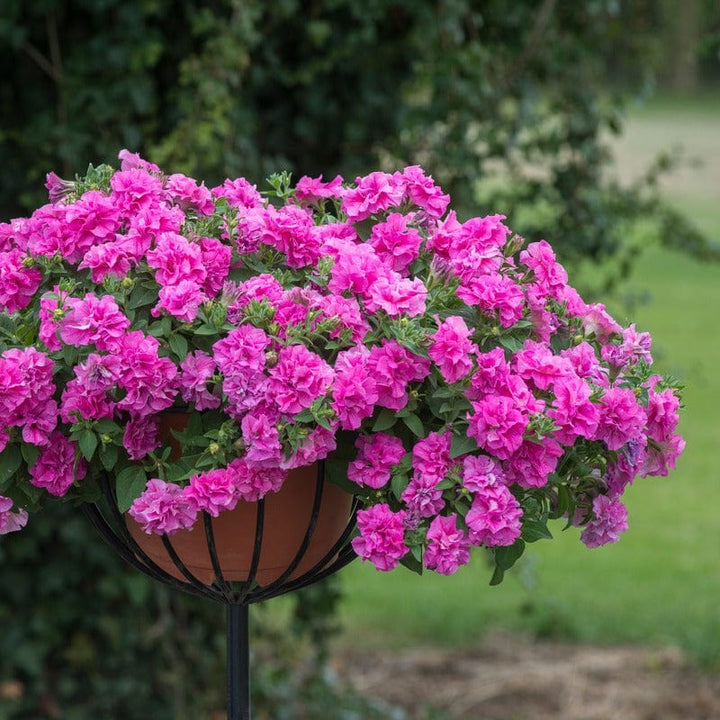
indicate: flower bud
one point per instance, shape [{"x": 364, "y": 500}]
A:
[
  {"x": 514, "y": 244},
  {"x": 271, "y": 358}
]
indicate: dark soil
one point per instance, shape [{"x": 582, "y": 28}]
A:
[{"x": 511, "y": 679}]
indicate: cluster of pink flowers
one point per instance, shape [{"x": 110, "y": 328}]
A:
[{"x": 472, "y": 380}]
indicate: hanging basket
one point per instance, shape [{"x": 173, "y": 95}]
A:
[
  {"x": 288, "y": 515},
  {"x": 260, "y": 550}
]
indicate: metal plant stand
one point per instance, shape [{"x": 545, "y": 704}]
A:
[{"x": 237, "y": 596}]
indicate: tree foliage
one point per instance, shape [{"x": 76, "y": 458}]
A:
[{"x": 509, "y": 107}]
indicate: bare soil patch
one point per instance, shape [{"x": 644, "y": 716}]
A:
[{"x": 512, "y": 679}]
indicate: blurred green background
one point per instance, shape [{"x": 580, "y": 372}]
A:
[{"x": 592, "y": 124}]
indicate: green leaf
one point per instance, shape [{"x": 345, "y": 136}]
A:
[
  {"x": 206, "y": 330},
  {"x": 156, "y": 329},
  {"x": 108, "y": 456},
  {"x": 178, "y": 344},
  {"x": 505, "y": 558},
  {"x": 10, "y": 462},
  {"x": 336, "y": 473},
  {"x": 70, "y": 355},
  {"x": 412, "y": 562},
  {"x": 512, "y": 343},
  {"x": 129, "y": 485},
  {"x": 304, "y": 416},
  {"x": 462, "y": 444},
  {"x": 534, "y": 530},
  {"x": 564, "y": 502},
  {"x": 415, "y": 424},
  {"x": 398, "y": 483},
  {"x": 497, "y": 576},
  {"x": 87, "y": 443},
  {"x": 107, "y": 426},
  {"x": 385, "y": 420},
  {"x": 29, "y": 453},
  {"x": 142, "y": 296}
]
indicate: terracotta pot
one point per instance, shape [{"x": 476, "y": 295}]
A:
[
  {"x": 286, "y": 520},
  {"x": 287, "y": 515}
]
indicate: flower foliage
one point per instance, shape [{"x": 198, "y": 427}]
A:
[{"x": 453, "y": 379}]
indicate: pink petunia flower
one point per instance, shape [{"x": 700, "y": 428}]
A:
[
  {"x": 181, "y": 300},
  {"x": 110, "y": 258},
  {"x": 150, "y": 381},
  {"x": 622, "y": 418},
  {"x": 196, "y": 369},
  {"x": 130, "y": 161},
  {"x": 261, "y": 436},
  {"x": 373, "y": 193},
  {"x": 26, "y": 394},
  {"x": 89, "y": 394},
  {"x": 175, "y": 258},
  {"x": 213, "y": 491},
  {"x": 255, "y": 482},
  {"x": 431, "y": 456},
  {"x": 448, "y": 546},
  {"x": 11, "y": 521},
  {"x": 216, "y": 259},
  {"x": 354, "y": 390},
  {"x": 573, "y": 411},
  {"x": 377, "y": 454},
  {"x": 239, "y": 193},
  {"x": 421, "y": 190},
  {"x": 135, "y": 189},
  {"x": 308, "y": 189},
  {"x": 394, "y": 367},
  {"x": 317, "y": 445},
  {"x": 94, "y": 321},
  {"x": 537, "y": 364},
  {"x": 480, "y": 471},
  {"x": 451, "y": 350},
  {"x": 531, "y": 464},
  {"x": 189, "y": 194},
  {"x": 356, "y": 268},
  {"x": 18, "y": 281},
  {"x": 422, "y": 497},
  {"x": 291, "y": 230},
  {"x": 608, "y": 523},
  {"x": 382, "y": 536},
  {"x": 494, "y": 518},
  {"x": 51, "y": 310},
  {"x": 57, "y": 467},
  {"x": 496, "y": 295},
  {"x": 497, "y": 425},
  {"x": 141, "y": 436},
  {"x": 298, "y": 379},
  {"x": 396, "y": 295},
  {"x": 395, "y": 242},
  {"x": 548, "y": 273},
  {"x": 163, "y": 509}
]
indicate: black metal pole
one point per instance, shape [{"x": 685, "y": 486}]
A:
[{"x": 238, "y": 662}]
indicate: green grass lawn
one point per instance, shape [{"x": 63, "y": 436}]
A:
[{"x": 661, "y": 583}]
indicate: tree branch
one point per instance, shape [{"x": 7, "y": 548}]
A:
[
  {"x": 45, "y": 65},
  {"x": 541, "y": 22}
]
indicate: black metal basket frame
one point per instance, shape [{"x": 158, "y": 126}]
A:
[{"x": 107, "y": 519}]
